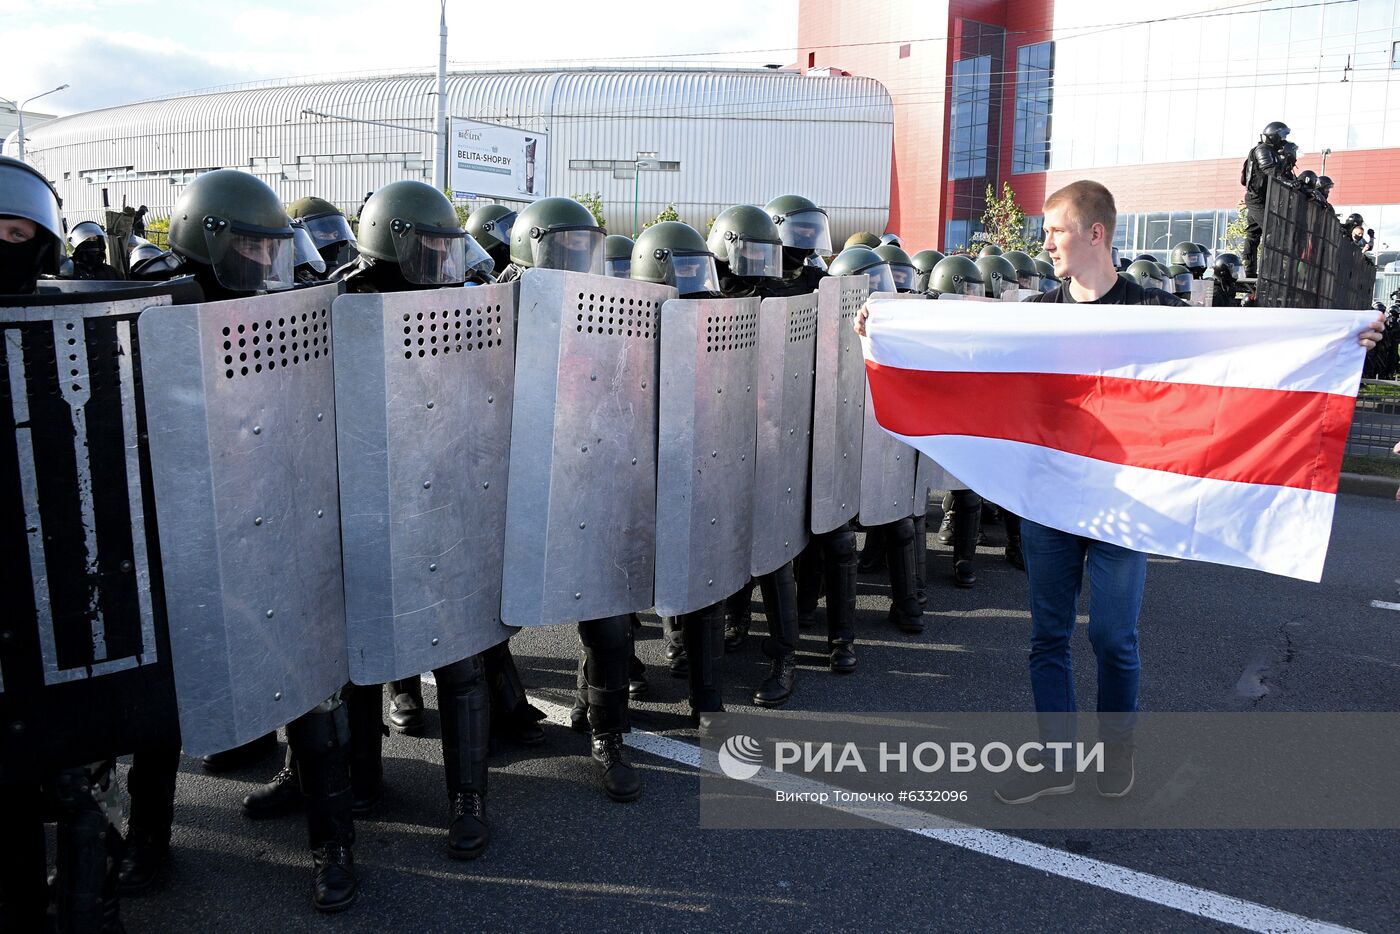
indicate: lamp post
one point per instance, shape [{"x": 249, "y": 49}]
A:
[
  {"x": 19, "y": 109},
  {"x": 645, "y": 162}
]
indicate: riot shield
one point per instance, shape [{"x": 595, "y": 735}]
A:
[
  {"x": 838, "y": 403},
  {"x": 581, "y": 514},
  {"x": 244, "y": 464},
  {"x": 85, "y": 669},
  {"x": 787, "y": 341},
  {"x": 887, "y": 465},
  {"x": 707, "y": 424},
  {"x": 428, "y": 377}
]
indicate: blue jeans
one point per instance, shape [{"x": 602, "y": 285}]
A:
[{"x": 1055, "y": 563}]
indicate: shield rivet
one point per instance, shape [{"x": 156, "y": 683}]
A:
[
  {"x": 430, "y": 405},
  {"x": 486, "y": 484},
  {"x": 593, "y": 377},
  {"x": 490, "y": 399},
  {"x": 126, "y": 566},
  {"x": 269, "y": 614},
  {"x": 709, "y": 583},
  {"x": 634, "y": 462},
  {"x": 714, "y": 453},
  {"x": 257, "y": 429},
  {"x": 585, "y": 449},
  {"x": 432, "y": 567},
  {"x": 320, "y": 513},
  {"x": 277, "y": 696},
  {"x": 258, "y": 521},
  {"x": 435, "y": 642},
  {"x": 719, "y": 391},
  {"x": 644, "y": 384},
  {"x": 583, "y": 525},
  {"x": 319, "y": 416},
  {"x": 712, "y": 520},
  {"x": 427, "y": 484},
  {"x": 789, "y": 489},
  {"x": 785, "y": 544},
  {"x": 578, "y": 596}
]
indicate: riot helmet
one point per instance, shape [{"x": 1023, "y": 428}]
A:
[
  {"x": 491, "y": 226},
  {"x": 1324, "y": 187},
  {"x": 557, "y": 233},
  {"x": 672, "y": 253},
  {"x": 745, "y": 238},
  {"x": 412, "y": 224},
  {"x": 1288, "y": 157},
  {"x": 1227, "y": 266},
  {"x": 862, "y": 238},
  {"x": 1027, "y": 275},
  {"x": 83, "y": 232},
  {"x": 1048, "y": 282},
  {"x": 1307, "y": 180},
  {"x": 891, "y": 239},
  {"x": 1146, "y": 274},
  {"x": 31, "y": 227},
  {"x": 997, "y": 273},
  {"x": 1151, "y": 258},
  {"x": 329, "y": 229},
  {"x": 1190, "y": 255},
  {"x": 924, "y": 261},
  {"x": 147, "y": 261},
  {"x": 1353, "y": 220},
  {"x": 309, "y": 261},
  {"x": 958, "y": 275},
  {"x": 990, "y": 249},
  {"x": 617, "y": 256},
  {"x": 862, "y": 260},
  {"x": 1275, "y": 133},
  {"x": 1113, "y": 251},
  {"x": 1164, "y": 274},
  {"x": 234, "y": 224},
  {"x": 1180, "y": 280},
  {"x": 801, "y": 224},
  {"x": 906, "y": 274}
]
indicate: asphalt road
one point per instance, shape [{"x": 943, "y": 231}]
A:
[{"x": 564, "y": 857}]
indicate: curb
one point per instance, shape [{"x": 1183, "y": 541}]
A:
[{"x": 1363, "y": 485}]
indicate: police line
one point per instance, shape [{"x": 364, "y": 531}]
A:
[{"x": 250, "y": 502}]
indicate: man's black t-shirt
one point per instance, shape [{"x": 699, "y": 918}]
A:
[{"x": 1122, "y": 293}]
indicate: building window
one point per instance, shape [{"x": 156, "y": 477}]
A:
[
  {"x": 972, "y": 95},
  {"x": 1034, "y": 229},
  {"x": 811, "y": 59},
  {"x": 1030, "y": 150},
  {"x": 904, "y": 50}
]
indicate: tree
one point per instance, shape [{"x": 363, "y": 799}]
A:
[
  {"x": 1004, "y": 223},
  {"x": 158, "y": 231},
  {"x": 1237, "y": 231},
  {"x": 463, "y": 210},
  {"x": 594, "y": 202},
  {"x": 668, "y": 213}
]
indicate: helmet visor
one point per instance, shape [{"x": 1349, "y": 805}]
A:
[
  {"x": 1182, "y": 283},
  {"x": 756, "y": 258},
  {"x": 250, "y": 259},
  {"x": 1193, "y": 260},
  {"x": 806, "y": 230},
  {"x": 497, "y": 232},
  {"x": 997, "y": 285},
  {"x": 437, "y": 255},
  {"x": 329, "y": 229},
  {"x": 906, "y": 278},
  {"x": 307, "y": 254},
  {"x": 572, "y": 249},
  {"x": 881, "y": 278},
  {"x": 692, "y": 272},
  {"x": 620, "y": 268},
  {"x": 1028, "y": 281},
  {"x": 969, "y": 287},
  {"x": 1047, "y": 284},
  {"x": 24, "y": 194},
  {"x": 921, "y": 280},
  {"x": 816, "y": 262}
]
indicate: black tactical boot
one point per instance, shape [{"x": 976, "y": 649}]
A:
[
  {"x": 738, "y": 618},
  {"x": 676, "y": 661},
  {"x": 279, "y": 797},
  {"x": 240, "y": 757},
  {"x": 320, "y": 741},
  {"x": 843, "y": 657},
  {"x": 839, "y": 565},
  {"x": 89, "y": 853},
  {"x": 921, "y": 559},
  {"x": 578, "y": 714},
  {"x": 905, "y": 611},
  {"x": 463, "y": 700},
  {"x": 364, "y": 707},
  {"x": 945, "y": 528},
  {"x": 143, "y": 862},
  {"x": 703, "y": 632},
  {"x": 406, "y": 705},
  {"x": 780, "y": 683},
  {"x": 620, "y": 779},
  {"x": 513, "y": 719},
  {"x": 965, "y": 530},
  {"x": 872, "y": 556},
  {"x": 151, "y": 784},
  {"x": 1014, "y": 556}
]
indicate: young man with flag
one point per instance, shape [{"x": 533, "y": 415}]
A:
[{"x": 1079, "y": 222}]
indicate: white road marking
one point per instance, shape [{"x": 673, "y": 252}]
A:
[
  {"x": 1382, "y": 605},
  {"x": 1193, "y": 900}
]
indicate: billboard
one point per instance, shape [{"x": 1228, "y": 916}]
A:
[{"x": 494, "y": 161}]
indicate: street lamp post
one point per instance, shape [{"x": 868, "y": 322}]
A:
[
  {"x": 645, "y": 162},
  {"x": 19, "y": 110}
]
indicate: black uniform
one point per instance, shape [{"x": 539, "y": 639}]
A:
[{"x": 1262, "y": 163}]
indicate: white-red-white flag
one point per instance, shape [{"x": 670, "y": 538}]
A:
[{"x": 1213, "y": 434}]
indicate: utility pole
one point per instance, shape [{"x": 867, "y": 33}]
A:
[
  {"x": 19, "y": 110},
  {"x": 440, "y": 159}
]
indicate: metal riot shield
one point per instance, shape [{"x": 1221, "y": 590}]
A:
[
  {"x": 838, "y": 403},
  {"x": 708, "y": 414},
  {"x": 787, "y": 342},
  {"x": 85, "y": 669},
  {"x": 581, "y": 514},
  {"x": 244, "y": 463},
  {"x": 424, "y": 380},
  {"x": 887, "y": 465}
]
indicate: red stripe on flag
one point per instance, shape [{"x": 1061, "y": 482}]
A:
[{"x": 1276, "y": 437}]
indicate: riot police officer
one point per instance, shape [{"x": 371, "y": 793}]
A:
[
  {"x": 1048, "y": 280},
  {"x": 1190, "y": 255},
  {"x": 560, "y": 233},
  {"x": 924, "y": 262},
  {"x": 87, "y": 243},
  {"x": 310, "y": 265},
  {"x": 1268, "y": 159},
  {"x": 1226, "y": 273},
  {"x": 997, "y": 273},
  {"x": 490, "y": 226},
  {"x": 1027, "y": 275},
  {"x": 329, "y": 230},
  {"x": 861, "y": 238},
  {"x": 617, "y": 256},
  {"x": 829, "y": 559},
  {"x": 1180, "y": 281},
  {"x": 748, "y": 248},
  {"x": 31, "y": 228},
  {"x": 1146, "y": 274}
]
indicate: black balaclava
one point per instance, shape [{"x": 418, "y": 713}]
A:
[{"x": 20, "y": 264}]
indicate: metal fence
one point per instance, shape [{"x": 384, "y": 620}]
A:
[
  {"x": 1375, "y": 427},
  {"x": 1306, "y": 259}
]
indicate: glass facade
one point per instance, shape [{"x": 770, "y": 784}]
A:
[
  {"x": 1030, "y": 147},
  {"x": 968, "y": 127}
]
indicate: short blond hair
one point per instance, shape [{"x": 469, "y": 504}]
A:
[{"x": 1089, "y": 203}]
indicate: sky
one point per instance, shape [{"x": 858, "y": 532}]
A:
[{"x": 116, "y": 51}]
